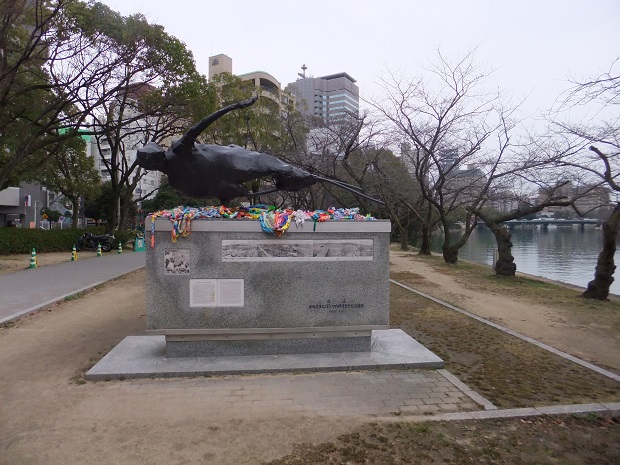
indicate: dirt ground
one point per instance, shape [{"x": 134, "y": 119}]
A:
[
  {"x": 48, "y": 415},
  {"x": 13, "y": 263},
  {"x": 588, "y": 330}
]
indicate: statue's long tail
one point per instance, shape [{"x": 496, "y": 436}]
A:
[
  {"x": 348, "y": 187},
  {"x": 343, "y": 185}
]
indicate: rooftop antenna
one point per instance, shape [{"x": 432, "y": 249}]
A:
[{"x": 303, "y": 68}]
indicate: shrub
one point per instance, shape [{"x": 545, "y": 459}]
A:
[
  {"x": 21, "y": 240},
  {"x": 124, "y": 237}
]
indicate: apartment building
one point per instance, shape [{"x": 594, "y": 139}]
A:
[{"x": 269, "y": 86}]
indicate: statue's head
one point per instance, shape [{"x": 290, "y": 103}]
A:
[{"x": 152, "y": 157}]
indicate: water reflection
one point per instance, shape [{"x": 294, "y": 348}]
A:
[{"x": 565, "y": 254}]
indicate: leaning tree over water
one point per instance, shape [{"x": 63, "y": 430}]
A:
[{"x": 598, "y": 133}]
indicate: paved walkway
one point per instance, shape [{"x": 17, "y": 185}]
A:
[
  {"x": 344, "y": 394},
  {"x": 386, "y": 395},
  {"x": 28, "y": 290}
]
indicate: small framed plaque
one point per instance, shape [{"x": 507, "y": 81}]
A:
[
  {"x": 216, "y": 293},
  {"x": 203, "y": 292},
  {"x": 230, "y": 292}
]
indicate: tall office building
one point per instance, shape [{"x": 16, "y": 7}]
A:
[{"x": 333, "y": 98}]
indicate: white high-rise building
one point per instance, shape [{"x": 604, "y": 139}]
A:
[
  {"x": 134, "y": 136},
  {"x": 333, "y": 98}
]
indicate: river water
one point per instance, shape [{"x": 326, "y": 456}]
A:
[{"x": 564, "y": 253}]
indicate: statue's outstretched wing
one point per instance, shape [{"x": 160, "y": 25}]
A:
[{"x": 192, "y": 134}]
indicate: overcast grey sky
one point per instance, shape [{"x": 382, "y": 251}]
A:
[{"x": 533, "y": 45}]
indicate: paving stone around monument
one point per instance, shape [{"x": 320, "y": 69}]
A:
[
  {"x": 144, "y": 357},
  {"x": 379, "y": 393}
]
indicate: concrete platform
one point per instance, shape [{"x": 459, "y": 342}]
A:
[{"x": 143, "y": 357}]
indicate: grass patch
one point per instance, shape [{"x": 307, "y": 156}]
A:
[
  {"x": 77, "y": 295},
  {"x": 539, "y": 440},
  {"x": 508, "y": 371},
  {"x": 80, "y": 375},
  {"x": 78, "y": 378}
]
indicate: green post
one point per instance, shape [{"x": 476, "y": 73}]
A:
[{"x": 33, "y": 259}]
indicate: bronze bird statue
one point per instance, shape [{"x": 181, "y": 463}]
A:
[{"x": 210, "y": 170}]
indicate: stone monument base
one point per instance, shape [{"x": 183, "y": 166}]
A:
[
  {"x": 265, "y": 341},
  {"x": 229, "y": 289},
  {"x": 145, "y": 357}
]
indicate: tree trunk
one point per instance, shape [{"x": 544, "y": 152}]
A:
[
  {"x": 118, "y": 215},
  {"x": 75, "y": 211},
  {"x": 598, "y": 288},
  {"x": 113, "y": 215},
  {"x": 450, "y": 252},
  {"x": 450, "y": 249},
  {"x": 505, "y": 261},
  {"x": 122, "y": 221},
  {"x": 404, "y": 238},
  {"x": 125, "y": 206},
  {"x": 425, "y": 246}
]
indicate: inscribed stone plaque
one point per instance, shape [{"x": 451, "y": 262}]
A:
[
  {"x": 297, "y": 250},
  {"x": 216, "y": 293},
  {"x": 202, "y": 292},
  {"x": 230, "y": 293}
]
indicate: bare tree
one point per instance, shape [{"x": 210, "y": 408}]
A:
[
  {"x": 524, "y": 203},
  {"x": 460, "y": 147},
  {"x": 344, "y": 151},
  {"x": 403, "y": 202},
  {"x": 447, "y": 119},
  {"x": 598, "y": 130}
]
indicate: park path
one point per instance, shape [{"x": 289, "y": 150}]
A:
[{"x": 28, "y": 290}]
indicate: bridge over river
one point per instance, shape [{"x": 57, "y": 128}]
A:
[{"x": 545, "y": 222}]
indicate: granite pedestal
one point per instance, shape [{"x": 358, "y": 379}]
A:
[
  {"x": 230, "y": 289},
  {"x": 144, "y": 357}
]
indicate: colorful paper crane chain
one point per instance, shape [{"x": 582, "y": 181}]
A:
[{"x": 272, "y": 220}]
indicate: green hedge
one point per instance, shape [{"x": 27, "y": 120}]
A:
[{"x": 21, "y": 240}]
